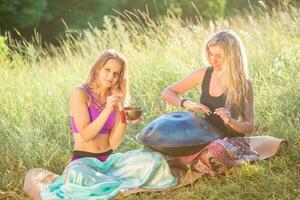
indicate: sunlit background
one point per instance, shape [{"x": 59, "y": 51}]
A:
[
  {"x": 50, "y": 18},
  {"x": 48, "y": 46}
]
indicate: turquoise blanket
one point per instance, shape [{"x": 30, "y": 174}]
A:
[{"x": 88, "y": 178}]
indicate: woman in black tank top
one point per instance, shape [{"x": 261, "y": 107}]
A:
[
  {"x": 214, "y": 102},
  {"x": 227, "y": 93}
]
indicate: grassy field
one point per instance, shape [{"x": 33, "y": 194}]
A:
[{"x": 35, "y": 87}]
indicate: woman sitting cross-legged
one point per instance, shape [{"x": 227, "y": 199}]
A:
[
  {"x": 98, "y": 124},
  {"x": 227, "y": 101}
]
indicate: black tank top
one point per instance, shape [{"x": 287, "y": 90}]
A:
[{"x": 215, "y": 102}]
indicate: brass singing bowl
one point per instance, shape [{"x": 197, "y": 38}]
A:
[{"x": 133, "y": 112}]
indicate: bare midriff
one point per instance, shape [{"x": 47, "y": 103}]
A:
[{"x": 99, "y": 144}]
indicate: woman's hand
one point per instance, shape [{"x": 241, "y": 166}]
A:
[
  {"x": 197, "y": 107},
  {"x": 113, "y": 100},
  {"x": 224, "y": 113},
  {"x": 135, "y": 121}
]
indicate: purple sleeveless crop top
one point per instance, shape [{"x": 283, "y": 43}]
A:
[{"x": 94, "y": 111}]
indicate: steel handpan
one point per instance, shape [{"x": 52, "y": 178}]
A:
[{"x": 178, "y": 134}]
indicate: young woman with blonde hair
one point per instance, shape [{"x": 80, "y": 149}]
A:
[
  {"x": 97, "y": 121},
  {"x": 227, "y": 93},
  {"x": 227, "y": 101},
  {"x": 98, "y": 124}
]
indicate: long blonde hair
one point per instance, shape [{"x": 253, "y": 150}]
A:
[
  {"x": 234, "y": 70},
  {"x": 101, "y": 61}
]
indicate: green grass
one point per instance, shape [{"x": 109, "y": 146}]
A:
[{"x": 36, "y": 83}]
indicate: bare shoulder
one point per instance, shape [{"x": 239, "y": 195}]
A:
[
  {"x": 79, "y": 93},
  {"x": 203, "y": 69},
  {"x": 191, "y": 80},
  {"x": 200, "y": 71},
  {"x": 250, "y": 92},
  {"x": 250, "y": 86},
  {"x": 195, "y": 77},
  {"x": 198, "y": 74},
  {"x": 249, "y": 82}
]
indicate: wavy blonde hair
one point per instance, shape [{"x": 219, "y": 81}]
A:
[
  {"x": 234, "y": 70},
  {"x": 101, "y": 61}
]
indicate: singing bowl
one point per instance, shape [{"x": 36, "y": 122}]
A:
[
  {"x": 178, "y": 134},
  {"x": 133, "y": 112}
]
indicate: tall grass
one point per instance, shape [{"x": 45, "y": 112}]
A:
[{"x": 35, "y": 87}]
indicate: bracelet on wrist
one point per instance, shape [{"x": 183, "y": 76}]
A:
[
  {"x": 122, "y": 117},
  {"x": 182, "y": 102}
]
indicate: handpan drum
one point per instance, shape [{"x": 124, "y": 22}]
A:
[{"x": 178, "y": 134}]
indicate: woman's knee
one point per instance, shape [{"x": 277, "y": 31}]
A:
[{"x": 35, "y": 180}]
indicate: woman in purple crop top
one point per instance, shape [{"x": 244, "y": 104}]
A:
[
  {"x": 98, "y": 124},
  {"x": 96, "y": 108}
]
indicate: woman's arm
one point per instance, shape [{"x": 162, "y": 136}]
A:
[
  {"x": 79, "y": 110},
  {"x": 247, "y": 125},
  {"x": 118, "y": 131},
  {"x": 171, "y": 94}
]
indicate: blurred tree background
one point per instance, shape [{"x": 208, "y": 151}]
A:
[{"x": 22, "y": 18}]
